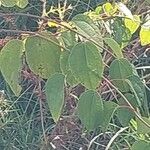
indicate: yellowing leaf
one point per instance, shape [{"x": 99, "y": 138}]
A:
[
  {"x": 132, "y": 24},
  {"x": 52, "y": 24},
  {"x": 109, "y": 9},
  {"x": 145, "y": 36}
]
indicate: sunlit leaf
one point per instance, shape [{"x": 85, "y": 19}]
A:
[
  {"x": 109, "y": 9},
  {"x": 132, "y": 24},
  {"x": 52, "y": 24},
  {"x": 144, "y": 33}
]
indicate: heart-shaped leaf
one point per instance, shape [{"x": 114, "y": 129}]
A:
[
  {"x": 121, "y": 69},
  {"x": 86, "y": 64},
  {"x": 90, "y": 109},
  {"x": 43, "y": 55}
]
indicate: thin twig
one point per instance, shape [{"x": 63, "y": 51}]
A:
[
  {"x": 32, "y": 33},
  {"x": 114, "y": 137},
  {"x": 57, "y": 22},
  {"x": 93, "y": 140},
  {"x": 41, "y": 111},
  {"x": 44, "y": 8},
  {"x": 17, "y": 31}
]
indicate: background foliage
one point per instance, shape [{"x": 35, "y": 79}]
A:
[{"x": 82, "y": 84}]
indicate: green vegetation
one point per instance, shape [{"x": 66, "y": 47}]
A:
[{"x": 75, "y": 75}]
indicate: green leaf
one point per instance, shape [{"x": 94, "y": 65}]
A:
[
  {"x": 141, "y": 127},
  {"x": 55, "y": 95},
  {"x": 114, "y": 46},
  {"x": 93, "y": 112},
  {"x": 64, "y": 65},
  {"x": 69, "y": 38},
  {"x": 148, "y": 1},
  {"x": 132, "y": 24},
  {"x": 109, "y": 110},
  {"x": 8, "y": 3},
  {"x": 10, "y": 64},
  {"x": 121, "y": 34},
  {"x": 86, "y": 64},
  {"x": 144, "y": 33},
  {"x": 139, "y": 145},
  {"x": 124, "y": 112},
  {"x": 90, "y": 109},
  {"x": 138, "y": 89},
  {"x": 43, "y": 55},
  {"x": 22, "y": 3},
  {"x": 87, "y": 28},
  {"x": 121, "y": 69},
  {"x": 65, "y": 68}
]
